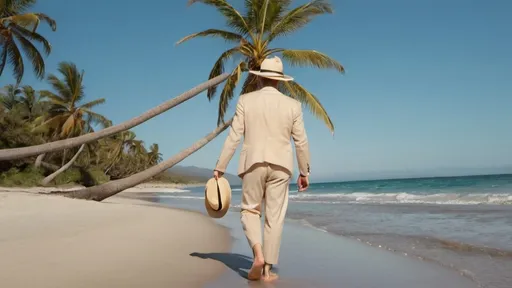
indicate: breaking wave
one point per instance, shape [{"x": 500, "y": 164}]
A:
[{"x": 390, "y": 198}]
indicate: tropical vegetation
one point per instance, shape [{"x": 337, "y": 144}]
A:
[
  {"x": 30, "y": 117},
  {"x": 252, "y": 33}
]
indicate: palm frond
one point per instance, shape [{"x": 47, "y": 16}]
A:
[
  {"x": 299, "y": 17},
  {"x": 3, "y": 58},
  {"x": 54, "y": 98},
  {"x": 30, "y": 20},
  {"x": 218, "y": 68},
  {"x": 28, "y": 97},
  {"x": 310, "y": 58},
  {"x": 250, "y": 84},
  {"x": 13, "y": 7},
  {"x": 50, "y": 21},
  {"x": 233, "y": 18},
  {"x": 55, "y": 101},
  {"x": 15, "y": 60},
  {"x": 10, "y": 96},
  {"x": 254, "y": 14},
  {"x": 34, "y": 36},
  {"x": 59, "y": 86},
  {"x": 275, "y": 12},
  {"x": 28, "y": 90},
  {"x": 54, "y": 122},
  {"x": 11, "y": 90},
  {"x": 154, "y": 148},
  {"x": 228, "y": 91},
  {"x": 97, "y": 119},
  {"x": 226, "y": 35},
  {"x": 92, "y": 104},
  {"x": 69, "y": 126},
  {"x": 73, "y": 80},
  {"x": 33, "y": 55},
  {"x": 296, "y": 91}
]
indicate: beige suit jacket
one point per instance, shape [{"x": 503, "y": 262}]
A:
[{"x": 267, "y": 120}]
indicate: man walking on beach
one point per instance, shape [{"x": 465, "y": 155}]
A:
[{"x": 267, "y": 120}]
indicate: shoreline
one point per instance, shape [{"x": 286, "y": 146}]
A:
[
  {"x": 52, "y": 241},
  {"x": 325, "y": 260},
  {"x": 151, "y": 187},
  {"x": 346, "y": 260}
]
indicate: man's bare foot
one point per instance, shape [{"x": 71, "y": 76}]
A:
[
  {"x": 256, "y": 269},
  {"x": 268, "y": 275},
  {"x": 257, "y": 266}
]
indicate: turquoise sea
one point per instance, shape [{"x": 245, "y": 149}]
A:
[{"x": 462, "y": 223}]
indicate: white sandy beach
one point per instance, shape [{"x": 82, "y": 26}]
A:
[{"x": 52, "y": 241}]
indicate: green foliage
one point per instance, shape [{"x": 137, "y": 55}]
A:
[
  {"x": 29, "y": 117},
  {"x": 72, "y": 175},
  {"x": 68, "y": 116},
  {"x": 30, "y": 176},
  {"x": 97, "y": 176},
  {"x": 169, "y": 177}
]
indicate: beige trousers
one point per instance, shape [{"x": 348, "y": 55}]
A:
[{"x": 268, "y": 183}]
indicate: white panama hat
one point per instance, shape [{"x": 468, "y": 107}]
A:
[{"x": 272, "y": 68}]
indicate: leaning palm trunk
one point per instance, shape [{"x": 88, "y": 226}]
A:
[
  {"x": 52, "y": 176},
  {"x": 39, "y": 160},
  {"x": 49, "y": 166},
  {"x": 103, "y": 191},
  {"x": 18, "y": 153}
]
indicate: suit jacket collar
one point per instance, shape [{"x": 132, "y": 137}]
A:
[{"x": 269, "y": 88}]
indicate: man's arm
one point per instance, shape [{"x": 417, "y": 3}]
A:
[
  {"x": 301, "y": 142},
  {"x": 235, "y": 134}
]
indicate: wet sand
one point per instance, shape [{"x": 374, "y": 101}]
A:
[
  {"x": 51, "y": 241},
  {"x": 314, "y": 259}
]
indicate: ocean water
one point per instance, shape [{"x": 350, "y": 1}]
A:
[{"x": 461, "y": 223}]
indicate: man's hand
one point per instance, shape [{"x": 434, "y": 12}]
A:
[
  {"x": 303, "y": 183},
  {"x": 217, "y": 174}
]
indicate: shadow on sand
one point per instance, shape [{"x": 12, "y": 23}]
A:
[
  {"x": 241, "y": 264},
  {"x": 236, "y": 262}
]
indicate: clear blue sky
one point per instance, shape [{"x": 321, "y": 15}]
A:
[{"x": 428, "y": 83}]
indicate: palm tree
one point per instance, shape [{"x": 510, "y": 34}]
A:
[
  {"x": 117, "y": 145},
  {"x": 252, "y": 34},
  {"x": 17, "y": 27},
  {"x": 69, "y": 117},
  {"x": 127, "y": 155},
  {"x": 103, "y": 191},
  {"x": 154, "y": 155},
  {"x": 18, "y": 153},
  {"x": 10, "y": 96},
  {"x": 30, "y": 100}
]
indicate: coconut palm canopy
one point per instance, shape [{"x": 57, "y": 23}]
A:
[
  {"x": 252, "y": 33},
  {"x": 18, "y": 30},
  {"x": 68, "y": 116}
]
